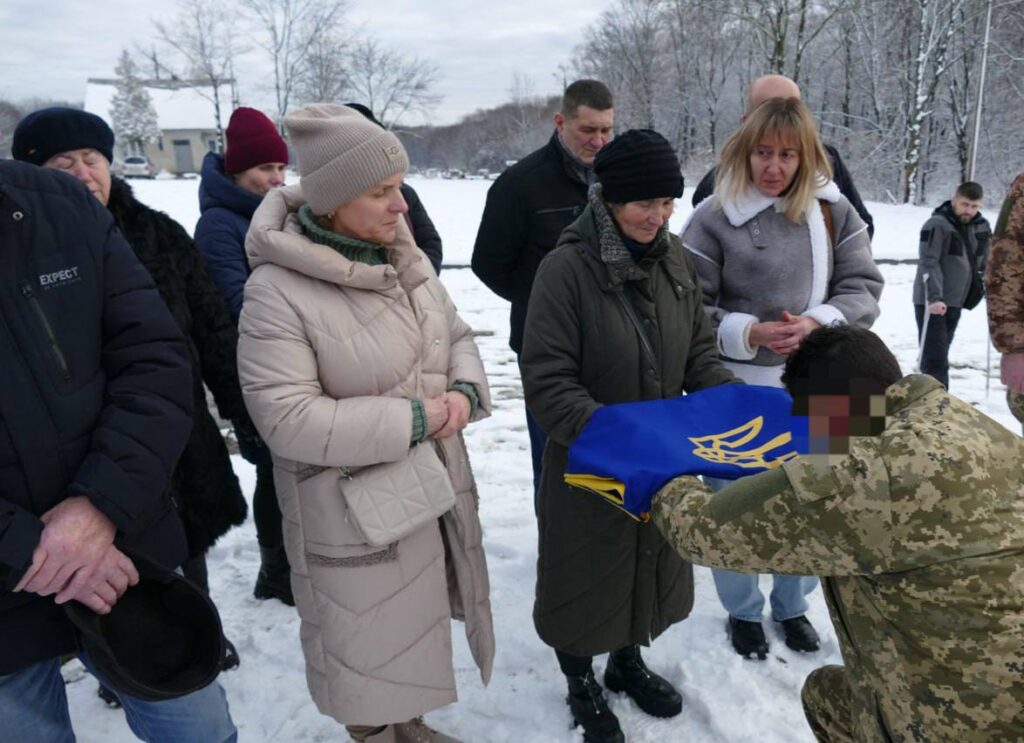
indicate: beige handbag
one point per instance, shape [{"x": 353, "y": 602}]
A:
[{"x": 390, "y": 500}]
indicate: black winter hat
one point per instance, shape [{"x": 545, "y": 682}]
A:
[
  {"x": 162, "y": 640},
  {"x": 637, "y": 165},
  {"x": 44, "y": 133}
]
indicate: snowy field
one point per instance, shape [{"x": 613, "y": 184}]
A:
[{"x": 726, "y": 698}]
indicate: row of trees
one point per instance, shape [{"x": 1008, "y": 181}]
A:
[{"x": 894, "y": 83}]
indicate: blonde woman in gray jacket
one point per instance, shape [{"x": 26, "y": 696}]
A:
[{"x": 779, "y": 252}]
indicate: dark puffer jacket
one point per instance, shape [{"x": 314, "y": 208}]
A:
[
  {"x": 95, "y": 392},
  {"x": 204, "y": 485},
  {"x": 604, "y": 580},
  {"x": 225, "y": 212}
]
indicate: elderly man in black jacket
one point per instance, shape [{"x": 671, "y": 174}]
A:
[
  {"x": 532, "y": 202},
  {"x": 780, "y": 86},
  {"x": 95, "y": 408}
]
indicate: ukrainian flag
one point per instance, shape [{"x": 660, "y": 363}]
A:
[{"x": 627, "y": 452}]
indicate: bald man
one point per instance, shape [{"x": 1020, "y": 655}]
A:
[{"x": 780, "y": 86}]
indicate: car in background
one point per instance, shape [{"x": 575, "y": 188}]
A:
[{"x": 135, "y": 166}]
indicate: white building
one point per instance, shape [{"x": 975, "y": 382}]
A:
[{"x": 185, "y": 116}]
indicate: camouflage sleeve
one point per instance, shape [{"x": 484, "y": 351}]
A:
[
  {"x": 1004, "y": 274},
  {"x": 808, "y": 518}
]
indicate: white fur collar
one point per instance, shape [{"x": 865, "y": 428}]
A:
[{"x": 752, "y": 202}]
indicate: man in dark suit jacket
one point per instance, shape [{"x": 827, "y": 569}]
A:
[{"x": 780, "y": 86}]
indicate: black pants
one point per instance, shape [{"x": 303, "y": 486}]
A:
[
  {"x": 578, "y": 665},
  {"x": 265, "y": 510},
  {"x": 941, "y": 328}
]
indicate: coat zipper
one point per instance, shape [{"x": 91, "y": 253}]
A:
[{"x": 51, "y": 337}]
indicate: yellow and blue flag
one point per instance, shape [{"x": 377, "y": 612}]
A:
[{"x": 627, "y": 452}]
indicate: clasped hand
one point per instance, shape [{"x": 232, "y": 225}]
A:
[
  {"x": 76, "y": 558},
  {"x": 783, "y": 336},
  {"x": 447, "y": 414}
]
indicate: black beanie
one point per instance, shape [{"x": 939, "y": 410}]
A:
[
  {"x": 638, "y": 165},
  {"x": 49, "y": 131}
]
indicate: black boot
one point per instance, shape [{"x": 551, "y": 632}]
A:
[
  {"x": 230, "y": 659},
  {"x": 590, "y": 709},
  {"x": 748, "y": 638},
  {"x": 109, "y": 697},
  {"x": 800, "y": 634},
  {"x": 274, "y": 580},
  {"x": 626, "y": 671}
]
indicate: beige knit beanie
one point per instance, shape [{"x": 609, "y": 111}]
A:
[{"x": 341, "y": 154}]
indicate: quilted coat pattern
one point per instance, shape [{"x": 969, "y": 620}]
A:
[{"x": 330, "y": 351}]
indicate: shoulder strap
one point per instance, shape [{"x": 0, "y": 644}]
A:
[
  {"x": 830, "y": 227},
  {"x": 630, "y": 311}
]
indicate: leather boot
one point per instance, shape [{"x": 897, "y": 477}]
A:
[
  {"x": 748, "y": 638},
  {"x": 800, "y": 634},
  {"x": 590, "y": 710},
  {"x": 417, "y": 731},
  {"x": 275, "y": 577},
  {"x": 626, "y": 671}
]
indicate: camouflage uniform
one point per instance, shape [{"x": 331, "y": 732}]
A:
[
  {"x": 1004, "y": 283},
  {"x": 918, "y": 535}
]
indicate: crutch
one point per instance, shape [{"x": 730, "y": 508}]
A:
[{"x": 924, "y": 325}]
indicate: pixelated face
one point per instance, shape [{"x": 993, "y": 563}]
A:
[{"x": 833, "y": 419}]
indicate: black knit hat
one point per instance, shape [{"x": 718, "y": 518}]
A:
[
  {"x": 637, "y": 165},
  {"x": 49, "y": 131},
  {"x": 162, "y": 640}
]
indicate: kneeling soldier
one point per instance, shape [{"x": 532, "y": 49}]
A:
[{"x": 914, "y": 518}]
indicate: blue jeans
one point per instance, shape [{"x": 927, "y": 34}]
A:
[
  {"x": 741, "y": 596},
  {"x": 34, "y": 707}
]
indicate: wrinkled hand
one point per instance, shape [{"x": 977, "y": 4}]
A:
[
  {"x": 114, "y": 575},
  {"x": 1011, "y": 371},
  {"x": 458, "y": 414},
  {"x": 72, "y": 547},
  {"x": 937, "y": 308},
  {"x": 436, "y": 409}
]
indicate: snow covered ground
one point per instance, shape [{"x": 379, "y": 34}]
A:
[{"x": 726, "y": 698}]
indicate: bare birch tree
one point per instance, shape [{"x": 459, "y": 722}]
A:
[
  {"x": 288, "y": 30},
  {"x": 391, "y": 83}
]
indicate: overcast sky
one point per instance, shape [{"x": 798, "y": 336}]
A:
[{"x": 49, "y": 47}]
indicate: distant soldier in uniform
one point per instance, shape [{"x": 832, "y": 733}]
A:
[
  {"x": 917, "y": 531},
  {"x": 1004, "y": 287}
]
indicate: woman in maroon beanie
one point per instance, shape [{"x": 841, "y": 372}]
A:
[{"x": 232, "y": 186}]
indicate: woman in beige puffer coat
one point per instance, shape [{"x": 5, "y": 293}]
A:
[{"x": 350, "y": 353}]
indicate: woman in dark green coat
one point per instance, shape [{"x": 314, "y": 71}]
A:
[{"x": 615, "y": 315}]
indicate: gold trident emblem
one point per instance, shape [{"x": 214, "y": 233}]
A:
[{"x": 724, "y": 448}]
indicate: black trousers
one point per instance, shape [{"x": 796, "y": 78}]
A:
[
  {"x": 266, "y": 511},
  {"x": 939, "y": 338}
]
